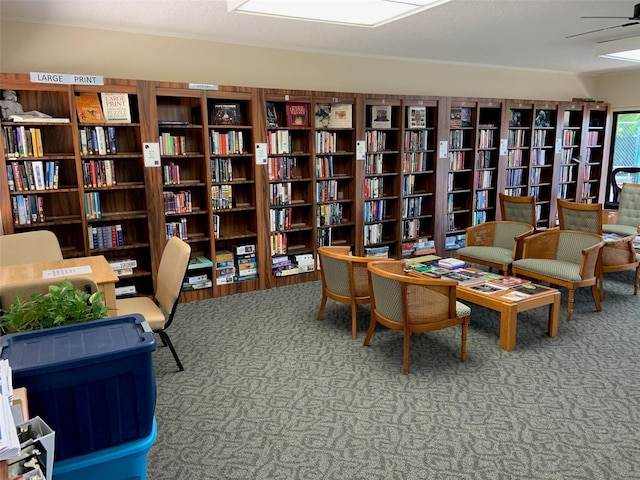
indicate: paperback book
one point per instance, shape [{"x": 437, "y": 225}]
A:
[
  {"x": 115, "y": 107},
  {"x": 228, "y": 113},
  {"x": 417, "y": 117},
  {"x": 381, "y": 116},
  {"x": 89, "y": 108},
  {"x": 486, "y": 288}
]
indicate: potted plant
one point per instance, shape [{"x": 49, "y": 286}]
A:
[{"x": 63, "y": 304}]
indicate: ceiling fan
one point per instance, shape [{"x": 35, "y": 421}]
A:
[{"x": 635, "y": 20}]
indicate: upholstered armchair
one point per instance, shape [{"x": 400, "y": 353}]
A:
[
  {"x": 518, "y": 209},
  {"x": 494, "y": 244},
  {"x": 344, "y": 280},
  {"x": 567, "y": 258},
  {"x": 586, "y": 217},
  {"x": 413, "y": 305},
  {"x": 626, "y": 220},
  {"x": 619, "y": 255}
]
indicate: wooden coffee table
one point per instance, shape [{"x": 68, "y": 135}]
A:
[{"x": 509, "y": 310}]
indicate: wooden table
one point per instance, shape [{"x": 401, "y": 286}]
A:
[
  {"x": 509, "y": 310},
  {"x": 101, "y": 273}
]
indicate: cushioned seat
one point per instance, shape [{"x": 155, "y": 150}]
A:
[
  {"x": 494, "y": 244},
  {"x": 626, "y": 220},
  {"x": 567, "y": 258}
]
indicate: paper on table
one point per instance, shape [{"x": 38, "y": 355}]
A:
[{"x": 65, "y": 272}]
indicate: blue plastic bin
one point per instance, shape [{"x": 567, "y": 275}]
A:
[
  {"x": 93, "y": 383},
  {"x": 125, "y": 462}
]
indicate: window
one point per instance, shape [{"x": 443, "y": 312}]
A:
[{"x": 625, "y": 154}]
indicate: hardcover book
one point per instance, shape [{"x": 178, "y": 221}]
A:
[
  {"x": 89, "y": 108},
  {"x": 297, "y": 114},
  {"x": 272, "y": 115},
  {"x": 323, "y": 115},
  {"x": 115, "y": 107},
  {"x": 460, "y": 117},
  {"x": 341, "y": 116},
  {"x": 381, "y": 116},
  {"x": 228, "y": 113}
]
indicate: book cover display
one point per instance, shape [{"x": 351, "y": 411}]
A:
[
  {"x": 297, "y": 114},
  {"x": 460, "y": 117},
  {"x": 89, "y": 108},
  {"x": 381, "y": 116},
  {"x": 228, "y": 113},
  {"x": 115, "y": 107},
  {"x": 417, "y": 117}
]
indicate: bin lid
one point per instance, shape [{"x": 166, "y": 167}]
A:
[{"x": 84, "y": 343}]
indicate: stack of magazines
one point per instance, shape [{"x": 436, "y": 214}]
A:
[{"x": 9, "y": 444}]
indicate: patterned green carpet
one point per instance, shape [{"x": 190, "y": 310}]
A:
[{"x": 271, "y": 393}]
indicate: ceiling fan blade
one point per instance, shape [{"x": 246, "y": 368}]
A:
[{"x": 603, "y": 29}]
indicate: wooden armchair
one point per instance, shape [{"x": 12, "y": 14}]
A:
[
  {"x": 586, "y": 217},
  {"x": 617, "y": 256},
  {"x": 567, "y": 258},
  {"x": 518, "y": 209},
  {"x": 626, "y": 220},
  {"x": 344, "y": 280},
  {"x": 494, "y": 244},
  {"x": 413, "y": 305}
]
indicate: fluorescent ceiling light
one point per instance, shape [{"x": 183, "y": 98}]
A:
[
  {"x": 626, "y": 49},
  {"x": 361, "y": 13}
]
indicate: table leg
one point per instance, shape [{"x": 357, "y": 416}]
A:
[
  {"x": 554, "y": 315},
  {"x": 109, "y": 297},
  {"x": 508, "y": 323}
]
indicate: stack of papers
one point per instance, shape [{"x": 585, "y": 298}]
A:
[{"x": 9, "y": 444}]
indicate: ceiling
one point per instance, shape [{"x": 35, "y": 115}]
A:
[{"x": 526, "y": 34}]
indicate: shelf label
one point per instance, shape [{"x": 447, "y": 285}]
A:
[
  {"x": 203, "y": 86},
  {"x": 503, "y": 146},
  {"x": 360, "y": 149},
  {"x": 66, "y": 78},
  {"x": 443, "y": 150},
  {"x": 151, "y": 154},
  {"x": 261, "y": 154},
  {"x": 558, "y": 145}
]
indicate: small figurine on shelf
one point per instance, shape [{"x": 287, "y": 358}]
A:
[{"x": 12, "y": 110}]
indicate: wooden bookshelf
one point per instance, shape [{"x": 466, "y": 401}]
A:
[{"x": 425, "y": 177}]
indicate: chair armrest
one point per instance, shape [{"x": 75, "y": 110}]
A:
[
  {"x": 481, "y": 235},
  {"x": 590, "y": 260}
]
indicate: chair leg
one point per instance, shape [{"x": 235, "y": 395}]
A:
[
  {"x": 323, "y": 304},
  {"x": 372, "y": 327},
  {"x": 637, "y": 282},
  {"x": 596, "y": 297},
  {"x": 601, "y": 285},
  {"x": 167, "y": 341},
  {"x": 570, "y": 304},
  {"x": 405, "y": 352},
  {"x": 463, "y": 347},
  {"x": 354, "y": 321}
]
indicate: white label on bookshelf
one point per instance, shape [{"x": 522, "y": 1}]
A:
[
  {"x": 360, "y": 149},
  {"x": 66, "y": 78},
  {"x": 504, "y": 143},
  {"x": 443, "y": 150},
  {"x": 261, "y": 154},
  {"x": 151, "y": 154},
  {"x": 558, "y": 145},
  {"x": 203, "y": 86}
]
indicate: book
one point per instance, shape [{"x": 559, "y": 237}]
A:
[
  {"x": 508, "y": 282},
  {"x": 464, "y": 277},
  {"x": 460, "y": 117},
  {"x": 341, "y": 116},
  {"x": 417, "y": 117},
  {"x": 297, "y": 114},
  {"x": 272, "y": 115},
  {"x": 531, "y": 288},
  {"x": 515, "y": 296},
  {"x": 199, "y": 262},
  {"x": 323, "y": 115},
  {"x": 115, "y": 107},
  {"x": 89, "y": 108},
  {"x": 228, "y": 113},
  {"x": 486, "y": 288},
  {"x": 381, "y": 116},
  {"x": 451, "y": 263}
]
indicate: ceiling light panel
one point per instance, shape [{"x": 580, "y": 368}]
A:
[
  {"x": 626, "y": 49},
  {"x": 363, "y": 13}
]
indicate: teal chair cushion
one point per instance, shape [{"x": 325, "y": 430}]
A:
[
  {"x": 562, "y": 270},
  {"x": 488, "y": 254}
]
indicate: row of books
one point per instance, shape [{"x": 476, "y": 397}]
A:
[
  {"x": 93, "y": 209},
  {"x": 98, "y": 173},
  {"x": 109, "y": 107},
  {"x": 280, "y": 219},
  {"x": 409, "y": 185},
  {"x": 176, "y": 228},
  {"x": 373, "y": 234},
  {"x": 196, "y": 282},
  {"x": 221, "y": 169},
  {"x": 569, "y": 137},
  {"x": 177, "y": 202},
  {"x": 27, "y": 209},
  {"x": 22, "y": 142},
  {"x": 172, "y": 144},
  {"x": 482, "y": 199},
  {"x": 484, "y": 159},
  {"x": 373, "y": 187},
  {"x": 373, "y": 164},
  {"x": 292, "y": 265},
  {"x": 517, "y": 138},
  {"x": 279, "y": 142},
  {"x": 280, "y": 193},
  {"x": 376, "y": 141},
  {"x": 97, "y": 140},
  {"x": 486, "y": 138},
  {"x": 225, "y": 143},
  {"x": 374, "y": 211},
  {"x": 415, "y": 162},
  {"x": 329, "y": 214},
  {"x": 123, "y": 266},
  {"x": 416, "y": 140},
  {"x": 457, "y": 161},
  {"x": 326, "y": 142},
  {"x": 410, "y": 229},
  {"x": 327, "y": 190},
  {"x": 107, "y": 236},
  {"x": 484, "y": 179},
  {"x": 412, "y": 207},
  {"x": 282, "y": 168},
  {"x": 324, "y": 167},
  {"x": 32, "y": 175},
  {"x": 171, "y": 174},
  {"x": 222, "y": 197},
  {"x": 458, "y": 139}
]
